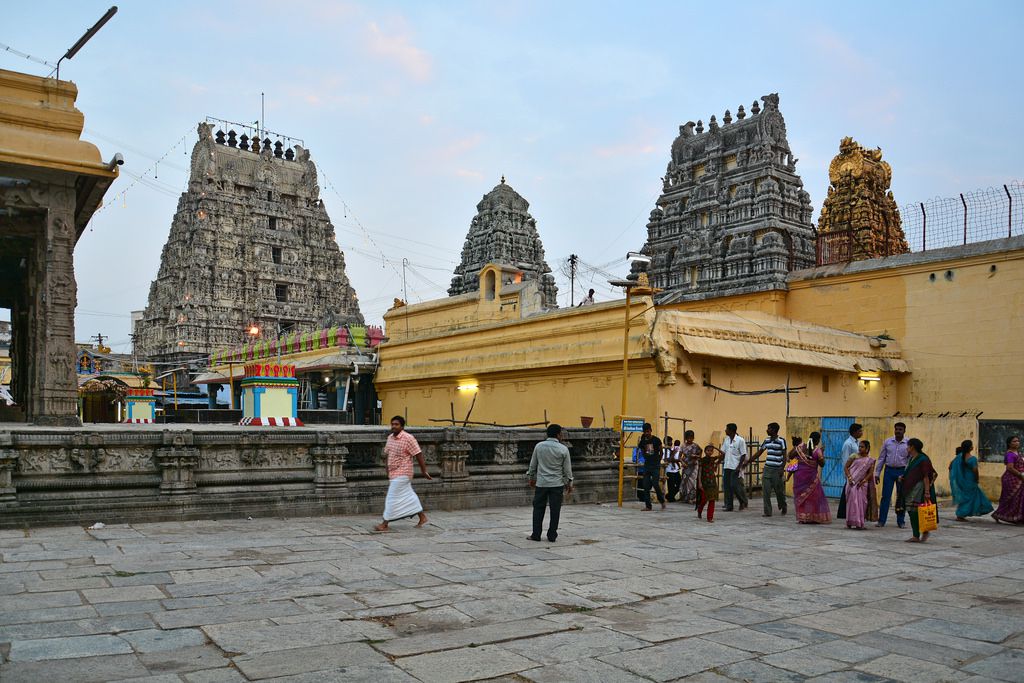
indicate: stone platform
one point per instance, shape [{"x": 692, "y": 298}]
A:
[
  {"x": 135, "y": 473},
  {"x": 622, "y": 596}
]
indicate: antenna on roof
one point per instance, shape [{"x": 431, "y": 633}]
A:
[{"x": 73, "y": 50}]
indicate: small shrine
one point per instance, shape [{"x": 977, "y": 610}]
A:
[
  {"x": 140, "y": 406},
  {"x": 859, "y": 218},
  {"x": 270, "y": 396}
]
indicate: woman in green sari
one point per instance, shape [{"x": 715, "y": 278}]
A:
[
  {"x": 971, "y": 501},
  {"x": 918, "y": 486}
]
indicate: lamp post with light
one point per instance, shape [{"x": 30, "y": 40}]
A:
[{"x": 640, "y": 286}]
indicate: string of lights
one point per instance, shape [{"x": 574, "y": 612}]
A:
[
  {"x": 25, "y": 55},
  {"x": 366, "y": 233},
  {"x": 143, "y": 178}
]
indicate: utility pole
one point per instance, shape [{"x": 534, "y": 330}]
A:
[
  {"x": 98, "y": 338},
  {"x": 573, "y": 261},
  {"x": 405, "y": 295},
  {"x": 135, "y": 361}
]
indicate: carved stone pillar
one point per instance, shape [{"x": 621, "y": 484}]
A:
[
  {"x": 54, "y": 398},
  {"x": 177, "y": 460},
  {"x": 329, "y": 466},
  {"x": 86, "y": 452},
  {"x": 8, "y": 463},
  {"x": 454, "y": 453},
  {"x": 177, "y": 466}
]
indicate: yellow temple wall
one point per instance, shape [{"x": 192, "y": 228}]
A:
[
  {"x": 569, "y": 364},
  {"x": 961, "y": 329}
]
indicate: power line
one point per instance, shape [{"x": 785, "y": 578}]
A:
[
  {"x": 143, "y": 178},
  {"x": 366, "y": 232}
]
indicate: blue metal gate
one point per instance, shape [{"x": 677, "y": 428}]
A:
[{"x": 834, "y": 431}]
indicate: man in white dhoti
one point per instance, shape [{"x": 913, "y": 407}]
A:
[{"x": 402, "y": 501}]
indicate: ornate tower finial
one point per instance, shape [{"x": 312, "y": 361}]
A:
[
  {"x": 502, "y": 178},
  {"x": 859, "y": 208},
  {"x": 727, "y": 119},
  {"x": 740, "y": 113},
  {"x": 700, "y": 126}
]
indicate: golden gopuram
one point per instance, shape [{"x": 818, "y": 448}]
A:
[{"x": 860, "y": 213}]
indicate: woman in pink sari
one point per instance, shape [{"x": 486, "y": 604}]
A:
[
  {"x": 860, "y": 487},
  {"x": 809, "y": 496}
]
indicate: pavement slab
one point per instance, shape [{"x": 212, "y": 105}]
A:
[
  {"x": 465, "y": 664},
  {"x": 622, "y": 596}
]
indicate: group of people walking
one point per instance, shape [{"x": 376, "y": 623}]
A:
[
  {"x": 901, "y": 468},
  {"x": 691, "y": 474}
]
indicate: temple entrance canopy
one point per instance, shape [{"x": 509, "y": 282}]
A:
[{"x": 51, "y": 182}]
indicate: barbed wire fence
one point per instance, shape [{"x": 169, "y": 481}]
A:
[{"x": 985, "y": 214}]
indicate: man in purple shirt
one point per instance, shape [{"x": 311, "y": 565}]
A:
[{"x": 893, "y": 457}]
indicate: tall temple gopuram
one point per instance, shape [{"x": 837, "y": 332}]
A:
[
  {"x": 859, "y": 218},
  {"x": 503, "y": 231},
  {"x": 250, "y": 243},
  {"x": 733, "y": 216}
]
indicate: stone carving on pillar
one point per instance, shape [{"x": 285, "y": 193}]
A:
[
  {"x": 252, "y": 450},
  {"x": 859, "y": 218},
  {"x": 328, "y": 463},
  {"x": 87, "y": 452},
  {"x": 506, "y": 451},
  {"x": 454, "y": 452},
  {"x": 8, "y": 464},
  {"x": 177, "y": 459}
]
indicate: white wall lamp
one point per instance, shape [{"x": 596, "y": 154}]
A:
[{"x": 868, "y": 377}]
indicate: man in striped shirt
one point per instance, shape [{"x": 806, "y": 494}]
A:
[{"x": 772, "y": 478}]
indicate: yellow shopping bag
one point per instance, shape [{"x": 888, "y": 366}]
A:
[{"x": 927, "y": 517}]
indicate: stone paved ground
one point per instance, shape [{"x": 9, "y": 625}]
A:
[{"x": 622, "y": 596}]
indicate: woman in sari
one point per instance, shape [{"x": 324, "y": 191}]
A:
[
  {"x": 689, "y": 464},
  {"x": 971, "y": 501},
  {"x": 918, "y": 488},
  {"x": 860, "y": 487},
  {"x": 808, "y": 495},
  {"x": 1011, "y": 502}
]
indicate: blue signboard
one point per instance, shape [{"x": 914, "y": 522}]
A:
[{"x": 632, "y": 425}]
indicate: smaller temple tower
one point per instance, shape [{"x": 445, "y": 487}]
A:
[
  {"x": 859, "y": 218},
  {"x": 504, "y": 232}
]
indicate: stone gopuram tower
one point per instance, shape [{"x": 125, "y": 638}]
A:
[
  {"x": 251, "y": 242},
  {"x": 503, "y": 231},
  {"x": 859, "y": 218},
  {"x": 733, "y": 216}
]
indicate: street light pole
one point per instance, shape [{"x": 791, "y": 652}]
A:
[
  {"x": 625, "y": 390},
  {"x": 641, "y": 286}
]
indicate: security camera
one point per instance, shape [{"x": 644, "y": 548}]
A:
[{"x": 118, "y": 160}]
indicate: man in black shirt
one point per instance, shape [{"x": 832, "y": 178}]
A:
[{"x": 650, "y": 450}]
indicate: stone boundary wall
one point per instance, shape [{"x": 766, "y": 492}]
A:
[{"x": 151, "y": 473}]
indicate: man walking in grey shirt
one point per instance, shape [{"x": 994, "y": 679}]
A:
[{"x": 550, "y": 474}]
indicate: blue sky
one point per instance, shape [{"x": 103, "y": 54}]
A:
[{"x": 414, "y": 110}]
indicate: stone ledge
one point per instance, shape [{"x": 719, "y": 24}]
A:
[{"x": 126, "y": 474}]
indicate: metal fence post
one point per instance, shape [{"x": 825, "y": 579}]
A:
[
  {"x": 964, "y": 202},
  {"x": 1009, "y": 218},
  {"x": 924, "y": 228}
]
